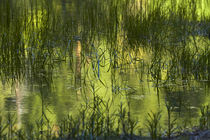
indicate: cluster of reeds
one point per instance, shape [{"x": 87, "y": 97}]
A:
[
  {"x": 92, "y": 122},
  {"x": 174, "y": 33},
  {"x": 153, "y": 125},
  {"x": 95, "y": 120},
  {"x": 39, "y": 37},
  {"x": 205, "y": 116}
]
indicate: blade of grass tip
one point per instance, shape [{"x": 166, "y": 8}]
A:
[
  {"x": 131, "y": 58},
  {"x": 98, "y": 68}
]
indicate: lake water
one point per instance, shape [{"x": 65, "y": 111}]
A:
[{"x": 56, "y": 55}]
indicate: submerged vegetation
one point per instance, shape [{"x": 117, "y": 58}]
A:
[{"x": 87, "y": 69}]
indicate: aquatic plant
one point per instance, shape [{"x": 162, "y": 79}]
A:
[
  {"x": 205, "y": 116},
  {"x": 153, "y": 125},
  {"x": 171, "y": 123}
]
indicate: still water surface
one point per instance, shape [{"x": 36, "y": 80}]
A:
[{"x": 56, "y": 54}]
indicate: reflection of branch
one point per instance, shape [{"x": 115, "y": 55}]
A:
[
  {"x": 78, "y": 64},
  {"x": 78, "y": 59},
  {"x": 18, "y": 103}
]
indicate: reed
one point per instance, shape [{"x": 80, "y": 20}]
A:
[
  {"x": 204, "y": 119},
  {"x": 153, "y": 125}
]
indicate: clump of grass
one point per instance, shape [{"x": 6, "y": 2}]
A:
[
  {"x": 94, "y": 123},
  {"x": 171, "y": 123},
  {"x": 126, "y": 124},
  {"x": 153, "y": 125},
  {"x": 205, "y": 117},
  {"x": 94, "y": 120}
]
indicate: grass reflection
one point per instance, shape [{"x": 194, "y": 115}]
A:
[{"x": 128, "y": 57}]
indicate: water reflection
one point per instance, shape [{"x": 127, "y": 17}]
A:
[
  {"x": 19, "y": 103},
  {"x": 62, "y": 52},
  {"x": 78, "y": 66}
]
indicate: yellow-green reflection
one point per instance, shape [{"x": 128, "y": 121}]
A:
[{"x": 58, "y": 54}]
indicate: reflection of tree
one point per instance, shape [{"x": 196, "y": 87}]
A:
[
  {"x": 183, "y": 99},
  {"x": 19, "y": 97},
  {"x": 78, "y": 65}
]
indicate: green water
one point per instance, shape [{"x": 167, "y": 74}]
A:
[{"x": 55, "y": 54}]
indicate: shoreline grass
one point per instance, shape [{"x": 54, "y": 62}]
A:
[{"x": 93, "y": 121}]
